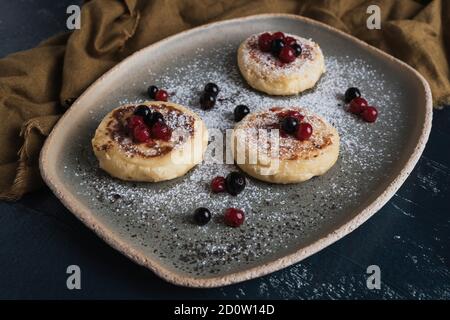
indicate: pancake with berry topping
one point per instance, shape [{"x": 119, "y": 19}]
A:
[
  {"x": 153, "y": 141},
  {"x": 280, "y": 64},
  {"x": 304, "y": 146}
]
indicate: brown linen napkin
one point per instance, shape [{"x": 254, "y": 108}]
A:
[{"x": 37, "y": 85}]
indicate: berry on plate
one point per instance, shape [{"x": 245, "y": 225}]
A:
[
  {"x": 207, "y": 101},
  {"x": 218, "y": 184},
  {"x": 212, "y": 89},
  {"x": 235, "y": 183},
  {"x": 234, "y": 217},
  {"x": 358, "y": 105},
  {"x": 370, "y": 114},
  {"x": 352, "y": 93},
  {"x": 151, "y": 91},
  {"x": 202, "y": 216},
  {"x": 161, "y": 95},
  {"x": 240, "y": 112}
]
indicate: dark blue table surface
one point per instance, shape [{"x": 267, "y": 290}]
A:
[{"x": 409, "y": 238}]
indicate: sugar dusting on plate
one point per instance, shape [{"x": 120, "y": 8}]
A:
[{"x": 279, "y": 218}]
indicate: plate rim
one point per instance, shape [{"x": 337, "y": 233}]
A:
[{"x": 118, "y": 243}]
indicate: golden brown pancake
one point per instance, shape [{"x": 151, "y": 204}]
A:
[
  {"x": 156, "y": 160},
  {"x": 287, "y": 159}
]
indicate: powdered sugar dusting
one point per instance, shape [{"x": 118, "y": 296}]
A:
[{"x": 279, "y": 218}]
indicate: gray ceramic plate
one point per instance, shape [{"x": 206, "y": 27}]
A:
[{"x": 150, "y": 223}]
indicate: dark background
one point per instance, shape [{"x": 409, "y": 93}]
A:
[{"x": 408, "y": 238}]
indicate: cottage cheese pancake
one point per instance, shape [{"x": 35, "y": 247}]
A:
[
  {"x": 162, "y": 143},
  {"x": 281, "y": 73},
  {"x": 293, "y": 157}
]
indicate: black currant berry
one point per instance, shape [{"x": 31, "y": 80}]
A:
[
  {"x": 351, "y": 94},
  {"x": 142, "y": 111},
  {"x": 153, "y": 118},
  {"x": 297, "y": 49},
  {"x": 277, "y": 45},
  {"x": 235, "y": 183},
  {"x": 240, "y": 112},
  {"x": 212, "y": 89},
  {"x": 202, "y": 216},
  {"x": 289, "y": 124},
  {"x": 207, "y": 101},
  {"x": 152, "y": 91}
]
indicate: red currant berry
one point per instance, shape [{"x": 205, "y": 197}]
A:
[
  {"x": 218, "y": 184},
  {"x": 370, "y": 114},
  {"x": 141, "y": 133},
  {"x": 291, "y": 113},
  {"x": 161, "y": 95},
  {"x": 358, "y": 105},
  {"x": 161, "y": 131},
  {"x": 304, "y": 131},
  {"x": 265, "y": 42},
  {"x": 278, "y": 35},
  {"x": 135, "y": 121},
  {"x": 296, "y": 114},
  {"x": 289, "y": 41},
  {"x": 234, "y": 217},
  {"x": 287, "y": 55}
]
